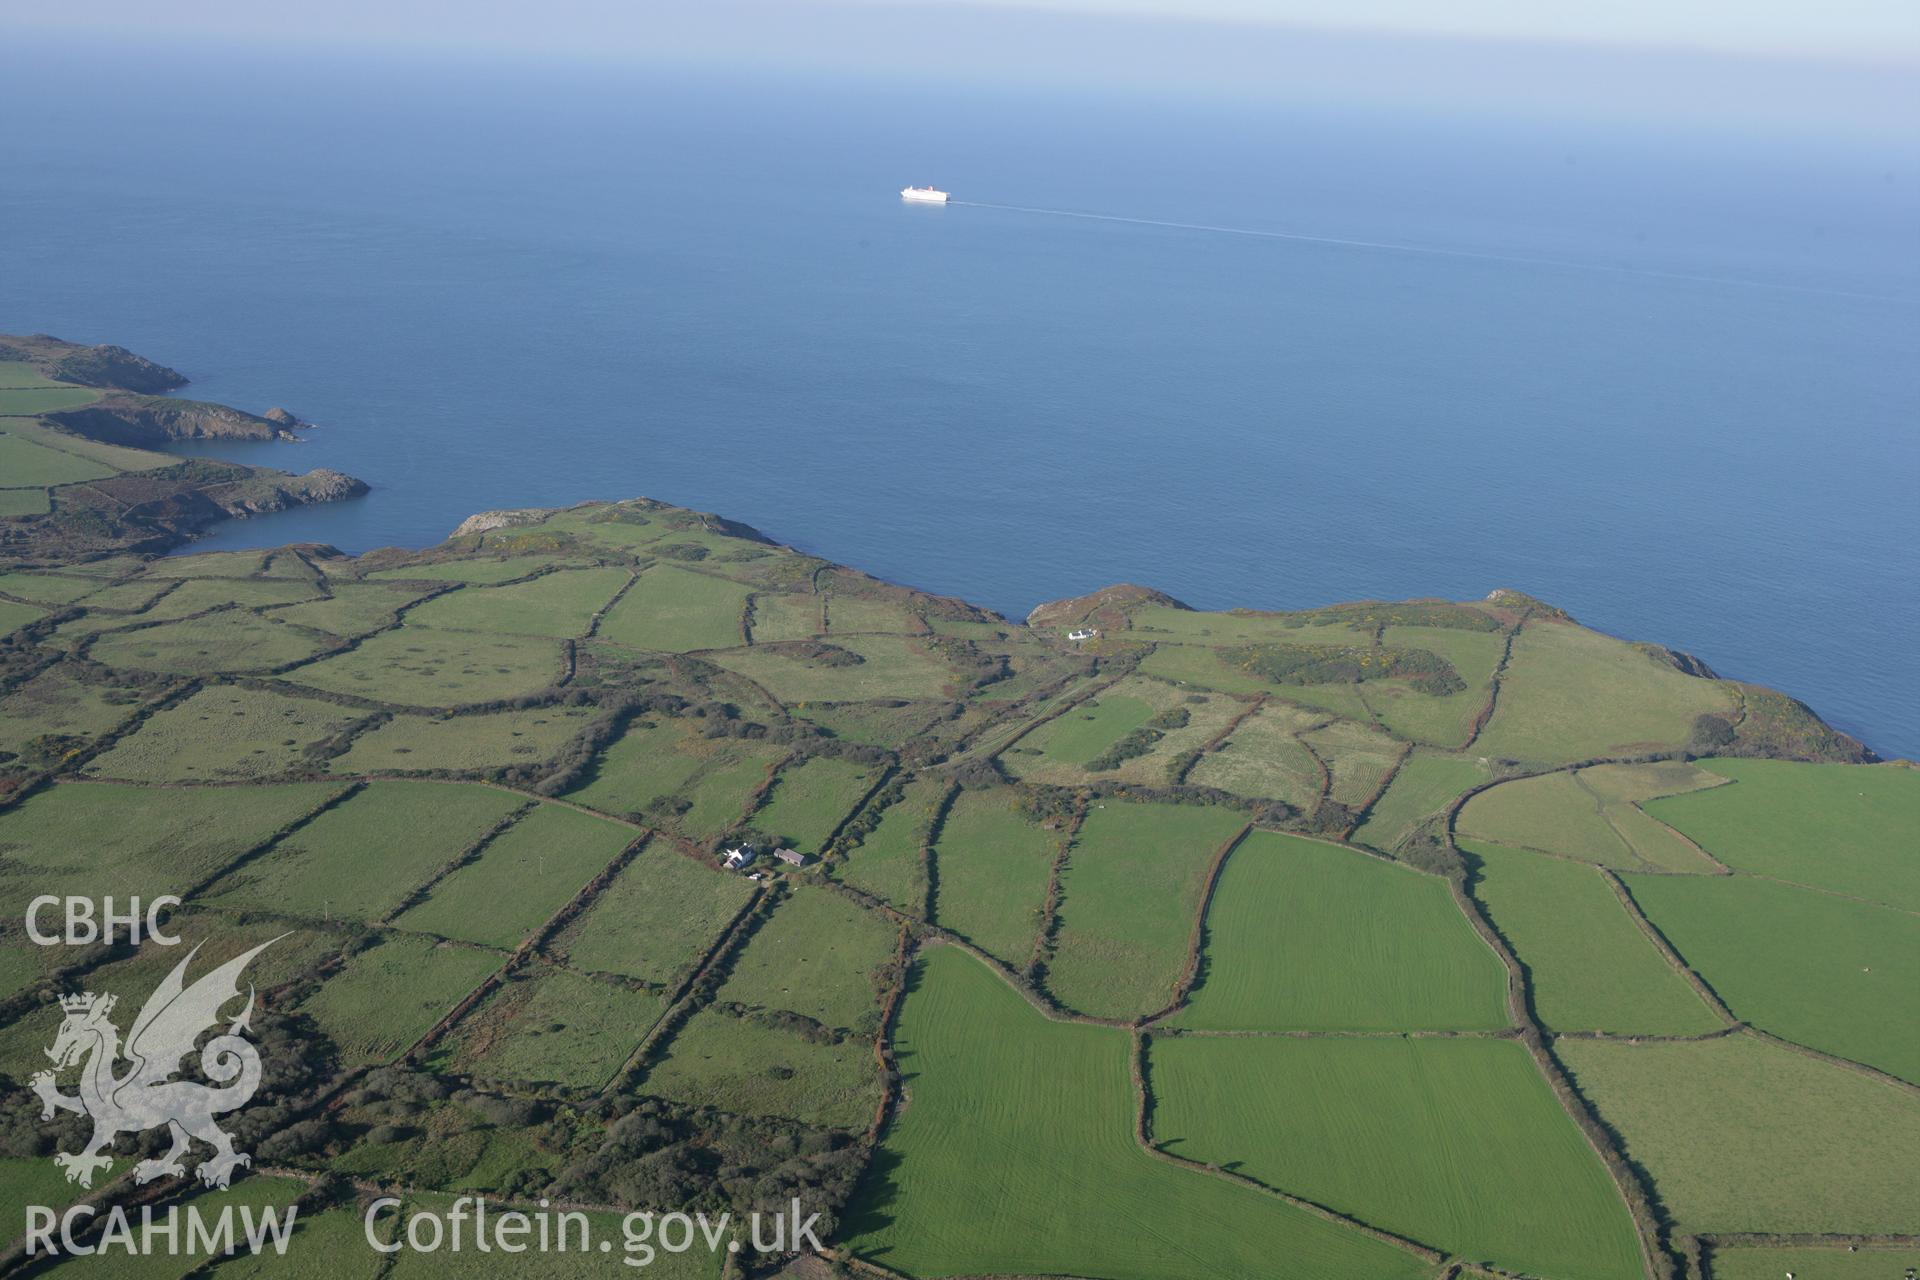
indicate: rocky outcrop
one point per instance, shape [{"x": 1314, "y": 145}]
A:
[
  {"x": 284, "y": 418},
  {"x": 1106, "y": 607},
  {"x": 484, "y": 521},
  {"x": 108, "y": 367},
  {"x": 148, "y": 422},
  {"x": 266, "y": 491},
  {"x": 1684, "y": 663}
]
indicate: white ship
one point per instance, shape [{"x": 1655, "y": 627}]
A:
[{"x": 923, "y": 195}]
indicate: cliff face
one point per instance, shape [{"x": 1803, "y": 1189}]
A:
[
  {"x": 107, "y": 367},
  {"x": 147, "y": 422},
  {"x": 1105, "y": 608}
]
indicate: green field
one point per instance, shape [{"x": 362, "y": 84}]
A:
[
  {"x": 484, "y": 570},
  {"x": 718, "y": 796},
  {"x": 785, "y": 617},
  {"x": 1573, "y": 694},
  {"x": 1589, "y": 966},
  {"x": 810, "y": 799},
  {"x": 548, "y": 1026},
  {"x": 1829, "y": 972},
  {"x": 677, "y": 610},
  {"x": 1083, "y": 732},
  {"x": 57, "y": 702},
  {"x": 887, "y": 861},
  {"x": 1048, "y": 1108},
  {"x": 1129, "y": 898},
  {"x": 742, "y": 1066},
  {"x": 47, "y": 588},
  {"x": 413, "y": 666},
  {"x": 1191, "y": 664},
  {"x": 852, "y": 615},
  {"x": 362, "y": 858},
  {"x": 24, "y": 502},
  {"x": 1836, "y": 827},
  {"x": 1833, "y": 1262},
  {"x": 1589, "y": 814},
  {"x": 391, "y": 995},
  {"x": 1307, "y": 936},
  {"x": 1358, "y": 757},
  {"x": 25, "y": 463},
  {"x": 559, "y": 605},
  {"x": 101, "y": 838},
  {"x": 353, "y": 608},
  {"x": 653, "y": 757},
  {"x": 993, "y": 863},
  {"x": 817, "y": 957},
  {"x": 202, "y": 646},
  {"x": 889, "y": 667},
  {"x": 221, "y": 734},
  {"x": 117, "y": 457},
  {"x": 1264, "y": 760},
  {"x": 1740, "y": 1135},
  {"x": 1458, "y": 1144},
  {"x": 1441, "y": 721},
  {"x": 656, "y": 919},
  {"x": 1424, "y": 786},
  {"x": 472, "y": 742},
  {"x": 521, "y": 878}
]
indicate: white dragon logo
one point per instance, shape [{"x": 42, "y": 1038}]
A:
[{"x": 145, "y": 1096}]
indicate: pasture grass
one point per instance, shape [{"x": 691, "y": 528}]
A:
[
  {"x": 24, "y": 502},
  {"x": 1829, "y": 972},
  {"x": 1048, "y": 1107},
  {"x": 353, "y": 608},
  {"x": 559, "y": 605},
  {"x": 1589, "y": 965},
  {"x": 654, "y": 757},
  {"x": 1263, "y": 760},
  {"x": 521, "y": 878},
  {"x": 1303, "y": 935},
  {"x": 118, "y": 457},
  {"x": 47, "y": 588},
  {"x": 223, "y": 733},
  {"x": 55, "y": 702},
  {"x": 1425, "y": 785},
  {"x": 992, "y": 864},
  {"x": 810, "y": 799},
  {"x": 1741, "y": 1135},
  {"x": 25, "y": 463},
  {"x": 548, "y": 1026},
  {"x": 748, "y": 1068},
  {"x": 887, "y": 861},
  {"x": 1573, "y": 694},
  {"x": 14, "y": 615},
  {"x": 853, "y": 615},
  {"x": 778, "y": 617},
  {"x": 1458, "y": 1144},
  {"x": 391, "y": 994},
  {"x": 29, "y": 401},
  {"x": 1833, "y": 826},
  {"x": 656, "y": 919},
  {"x": 103, "y": 838},
  {"x": 816, "y": 956},
  {"x": 889, "y": 667},
  {"x": 677, "y": 610},
  {"x": 217, "y": 643},
  {"x": 1205, "y": 668},
  {"x": 362, "y": 858},
  {"x": 482, "y": 570},
  {"x": 1814, "y": 1262},
  {"x": 1130, "y": 895},
  {"x": 1358, "y": 757},
  {"x": 414, "y": 666},
  {"x": 492, "y": 740}
]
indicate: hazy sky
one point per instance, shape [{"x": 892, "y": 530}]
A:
[{"x": 1788, "y": 64}]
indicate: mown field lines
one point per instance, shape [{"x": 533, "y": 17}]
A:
[
  {"x": 1129, "y": 899},
  {"x": 1741, "y": 1135},
  {"x": 1303, "y": 935},
  {"x": 1015, "y": 1156},
  {"x": 1590, "y": 966},
  {"x": 1458, "y": 1144},
  {"x": 1829, "y": 972},
  {"x": 1838, "y": 827}
]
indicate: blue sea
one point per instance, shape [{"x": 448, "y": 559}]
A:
[{"x": 1304, "y": 352}]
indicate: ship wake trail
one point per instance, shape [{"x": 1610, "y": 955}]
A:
[{"x": 1431, "y": 251}]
